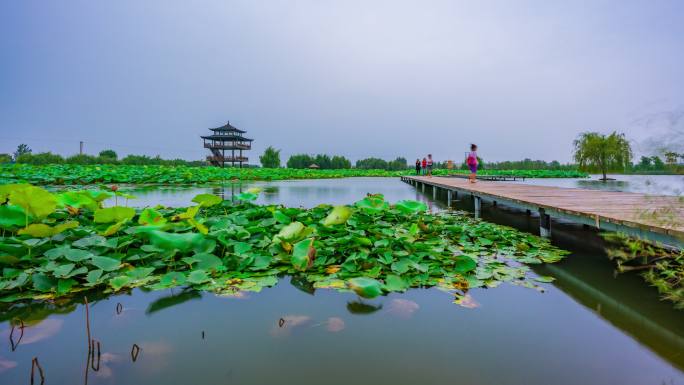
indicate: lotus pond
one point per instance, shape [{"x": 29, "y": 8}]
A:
[
  {"x": 70, "y": 174},
  {"x": 314, "y": 281}
]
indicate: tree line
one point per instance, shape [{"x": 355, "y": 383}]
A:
[{"x": 25, "y": 155}]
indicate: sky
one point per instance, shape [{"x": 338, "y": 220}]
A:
[{"x": 356, "y": 78}]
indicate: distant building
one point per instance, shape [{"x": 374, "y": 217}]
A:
[{"x": 227, "y": 138}]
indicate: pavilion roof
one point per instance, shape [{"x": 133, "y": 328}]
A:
[{"x": 228, "y": 128}]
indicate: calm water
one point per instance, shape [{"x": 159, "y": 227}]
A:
[
  {"x": 588, "y": 327},
  {"x": 644, "y": 184}
]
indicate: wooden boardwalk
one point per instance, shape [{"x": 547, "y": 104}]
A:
[{"x": 654, "y": 217}]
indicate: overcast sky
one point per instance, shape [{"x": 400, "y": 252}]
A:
[{"x": 356, "y": 78}]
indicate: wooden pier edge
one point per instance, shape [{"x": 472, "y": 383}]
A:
[{"x": 620, "y": 212}]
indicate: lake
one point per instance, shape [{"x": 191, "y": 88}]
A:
[{"x": 590, "y": 326}]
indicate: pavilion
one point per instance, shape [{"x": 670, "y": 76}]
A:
[{"x": 227, "y": 137}]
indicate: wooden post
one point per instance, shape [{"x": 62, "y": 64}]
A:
[
  {"x": 478, "y": 205},
  {"x": 544, "y": 224},
  {"x": 434, "y": 193},
  {"x": 449, "y": 198},
  {"x": 423, "y": 188}
]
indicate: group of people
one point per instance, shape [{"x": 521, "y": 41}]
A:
[{"x": 424, "y": 167}]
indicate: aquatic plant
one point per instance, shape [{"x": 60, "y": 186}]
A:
[
  {"x": 56, "y": 245},
  {"x": 71, "y": 174},
  {"x": 661, "y": 267}
]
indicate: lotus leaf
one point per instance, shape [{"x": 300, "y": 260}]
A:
[
  {"x": 303, "y": 254},
  {"x": 114, "y": 214},
  {"x": 365, "y": 287},
  {"x": 207, "y": 200},
  {"x": 337, "y": 216},
  {"x": 36, "y": 201},
  {"x": 105, "y": 263},
  {"x": 151, "y": 217},
  {"x": 373, "y": 204},
  {"x": 411, "y": 207},
  {"x": 13, "y": 216}
]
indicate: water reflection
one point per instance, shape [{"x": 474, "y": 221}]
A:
[{"x": 362, "y": 308}]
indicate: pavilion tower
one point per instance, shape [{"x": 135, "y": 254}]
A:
[{"x": 223, "y": 143}]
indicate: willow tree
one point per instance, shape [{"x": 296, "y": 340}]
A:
[
  {"x": 271, "y": 158},
  {"x": 602, "y": 152}
]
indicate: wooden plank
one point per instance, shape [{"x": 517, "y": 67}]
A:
[{"x": 664, "y": 214}]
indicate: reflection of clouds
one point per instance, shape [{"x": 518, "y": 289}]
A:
[
  {"x": 105, "y": 370},
  {"x": 153, "y": 356},
  {"x": 6, "y": 364},
  {"x": 466, "y": 301},
  {"x": 291, "y": 322},
  {"x": 34, "y": 333},
  {"x": 403, "y": 307},
  {"x": 335, "y": 324}
]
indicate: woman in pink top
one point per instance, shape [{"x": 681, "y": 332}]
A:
[{"x": 471, "y": 161}]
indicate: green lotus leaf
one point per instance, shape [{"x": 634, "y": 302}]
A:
[
  {"x": 76, "y": 255},
  {"x": 465, "y": 264},
  {"x": 189, "y": 213},
  {"x": 94, "y": 276},
  {"x": 78, "y": 199},
  {"x": 119, "y": 282},
  {"x": 13, "y": 216},
  {"x": 411, "y": 207},
  {"x": 36, "y": 201},
  {"x": 206, "y": 261},
  {"x": 113, "y": 229},
  {"x": 303, "y": 253},
  {"x": 64, "y": 285},
  {"x": 62, "y": 271},
  {"x": 182, "y": 242},
  {"x": 114, "y": 214},
  {"x": 198, "y": 277},
  {"x": 365, "y": 287},
  {"x": 337, "y": 216},
  {"x": 42, "y": 282},
  {"x": 207, "y": 200},
  {"x": 105, "y": 263},
  {"x": 41, "y": 230},
  {"x": 172, "y": 279},
  {"x": 292, "y": 232},
  {"x": 395, "y": 283},
  {"x": 279, "y": 216},
  {"x": 372, "y": 204},
  {"x": 151, "y": 217},
  {"x": 99, "y": 195},
  {"x": 139, "y": 273}
]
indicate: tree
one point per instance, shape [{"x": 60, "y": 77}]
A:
[
  {"x": 21, "y": 150},
  {"x": 5, "y": 158},
  {"x": 299, "y": 161},
  {"x": 602, "y": 152},
  {"x": 644, "y": 163},
  {"x": 110, "y": 154},
  {"x": 398, "y": 164},
  {"x": 372, "y": 164},
  {"x": 671, "y": 157},
  {"x": 339, "y": 162},
  {"x": 271, "y": 158},
  {"x": 658, "y": 163}
]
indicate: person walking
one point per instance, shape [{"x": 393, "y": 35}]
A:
[
  {"x": 424, "y": 165},
  {"x": 417, "y": 166},
  {"x": 471, "y": 161},
  {"x": 429, "y": 166}
]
